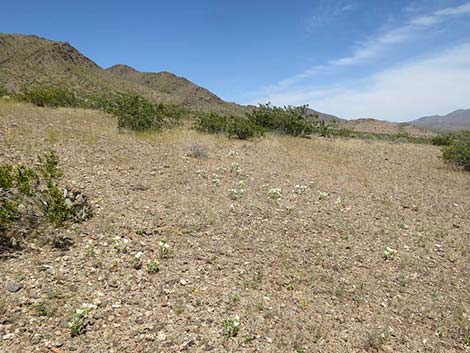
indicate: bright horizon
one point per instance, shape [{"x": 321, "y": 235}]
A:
[{"x": 391, "y": 60}]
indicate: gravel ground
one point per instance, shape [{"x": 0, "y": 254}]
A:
[{"x": 305, "y": 272}]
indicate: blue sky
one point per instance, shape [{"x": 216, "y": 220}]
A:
[{"x": 388, "y": 59}]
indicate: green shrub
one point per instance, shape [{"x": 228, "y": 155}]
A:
[
  {"x": 442, "y": 140},
  {"x": 49, "y": 96},
  {"x": 4, "y": 91},
  {"x": 289, "y": 120},
  {"x": 458, "y": 151},
  {"x": 231, "y": 126},
  {"x": 29, "y": 194},
  {"x": 135, "y": 112}
]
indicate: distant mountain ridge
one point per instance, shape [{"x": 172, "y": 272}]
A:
[
  {"x": 455, "y": 121},
  {"x": 385, "y": 127}
]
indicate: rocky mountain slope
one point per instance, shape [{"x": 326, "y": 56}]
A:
[
  {"x": 27, "y": 60},
  {"x": 455, "y": 121}
]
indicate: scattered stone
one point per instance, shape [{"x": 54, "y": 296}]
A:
[
  {"x": 36, "y": 339},
  {"x": 14, "y": 287}
]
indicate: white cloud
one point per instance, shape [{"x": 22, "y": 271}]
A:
[
  {"x": 434, "y": 85},
  {"x": 374, "y": 47},
  {"x": 453, "y": 11},
  {"x": 327, "y": 11},
  {"x": 438, "y": 84}
]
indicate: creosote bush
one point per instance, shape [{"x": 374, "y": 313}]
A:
[
  {"x": 4, "y": 91},
  {"x": 133, "y": 111},
  {"x": 49, "y": 96},
  {"x": 458, "y": 150},
  {"x": 231, "y": 126},
  {"x": 289, "y": 120},
  {"x": 137, "y": 113},
  {"x": 30, "y": 195},
  {"x": 442, "y": 140}
]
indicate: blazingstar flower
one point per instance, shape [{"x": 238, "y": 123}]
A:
[{"x": 164, "y": 248}]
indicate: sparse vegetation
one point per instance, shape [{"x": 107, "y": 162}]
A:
[
  {"x": 293, "y": 271},
  {"x": 442, "y": 139},
  {"x": 137, "y": 260},
  {"x": 29, "y": 194},
  {"x": 120, "y": 244},
  {"x": 458, "y": 150},
  {"x": 390, "y": 253},
  {"x": 137, "y": 113},
  {"x": 133, "y": 112},
  {"x": 164, "y": 249},
  {"x": 232, "y": 326},
  {"x": 196, "y": 150},
  {"x": 78, "y": 321},
  {"x": 4, "y": 92},
  {"x": 40, "y": 307},
  {"x": 231, "y": 126},
  {"x": 375, "y": 340},
  {"x": 49, "y": 96},
  {"x": 275, "y": 194},
  {"x": 295, "y": 121},
  {"x": 153, "y": 266},
  {"x": 289, "y": 120}
]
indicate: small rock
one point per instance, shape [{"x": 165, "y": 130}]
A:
[
  {"x": 36, "y": 339},
  {"x": 13, "y": 287},
  {"x": 8, "y": 336},
  {"x": 161, "y": 336},
  {"x": 183, "y": 282}
]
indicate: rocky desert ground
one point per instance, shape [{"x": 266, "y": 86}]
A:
[{"x": 299, "y": 245}]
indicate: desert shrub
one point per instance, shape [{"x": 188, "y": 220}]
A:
[
  {"x": 49, "y": 96},
  {"x": 231, "y": 126},
  {"x": 30, "y": 194},
  {"x": 288, "y": 120},
  {"x": 4, "y": 91},
  {"x": 196, "y": 150},
  {"x": 458, "y": 151},
  {"x": 442, "y": 140},
  {"x": 132, "y": 111},
  {"x": 135, "y": 112}
]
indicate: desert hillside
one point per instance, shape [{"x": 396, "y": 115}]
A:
[
  {"x": 385, "y": 127},
  {"x": 455, "y": 121},
  {"x": 27, "y": 60},
  {"x": 318, "y": 245}
]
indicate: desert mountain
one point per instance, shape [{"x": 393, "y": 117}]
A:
[
  {"x": 326, "y": 117},
  {"x": 384, "y": 127},
  {"x": 455, "y": 121},
  {"x": 181, "y": 90},
  {"x": 28, "y": 59}
]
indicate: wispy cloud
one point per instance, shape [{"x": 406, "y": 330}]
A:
[
  {"x": 374, "y": 47},
  {"x": 326, "y": 12},
  {"x": 437, "y": 84}
]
